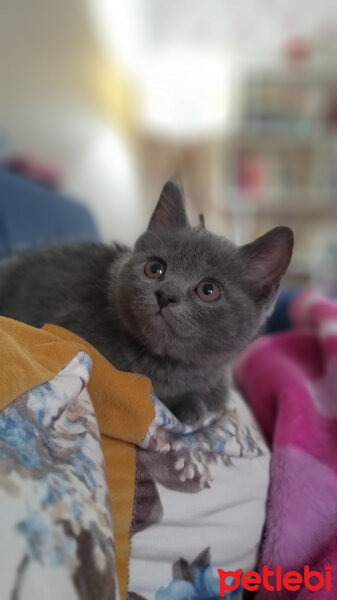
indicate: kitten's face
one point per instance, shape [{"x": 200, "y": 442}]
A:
[
  {"x": 170, "y": 308},
  {"x": 190, "y": 295}
]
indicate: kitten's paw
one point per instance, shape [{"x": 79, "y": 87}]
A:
[{"x": 190, "y": 411}]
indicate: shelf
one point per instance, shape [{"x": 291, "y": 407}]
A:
[
  {"x": 312, "y": 211},
  {"x": 272, "y": 196},
  {"x": 290, "y": 74},
  {"x": 259, "y": 139}
]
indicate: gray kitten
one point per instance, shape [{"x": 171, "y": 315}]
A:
[{"x": 178, "y": 308}]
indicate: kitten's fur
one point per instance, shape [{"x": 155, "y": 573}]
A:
[{"x": 102, "y": 294}]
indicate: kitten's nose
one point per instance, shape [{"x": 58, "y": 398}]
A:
[{"x": 164, "y": 298}]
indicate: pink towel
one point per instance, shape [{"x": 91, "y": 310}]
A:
[{"x": 290, "y": 380}]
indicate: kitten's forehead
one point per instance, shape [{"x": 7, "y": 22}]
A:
[{"x": 195, "y": 250}]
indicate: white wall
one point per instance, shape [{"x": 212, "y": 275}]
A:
[{"x": 52, "y": 108}]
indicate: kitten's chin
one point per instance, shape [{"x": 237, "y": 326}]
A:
[{"x": 159, "y": 337}]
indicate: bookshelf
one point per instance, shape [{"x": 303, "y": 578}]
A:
[{"x": 279, "y": 163}]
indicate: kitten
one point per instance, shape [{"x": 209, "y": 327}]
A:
[{"x": 178, "y": 308}]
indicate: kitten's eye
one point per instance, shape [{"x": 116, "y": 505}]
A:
[
  {"x": 155, "y": 268},
  {"x": 208, "y": 291}
]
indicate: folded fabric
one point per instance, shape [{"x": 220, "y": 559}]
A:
[
  {"x": 176, "y": 506},
  {"x": 55, "y": 519},
  {"x": 291, "y": 382}
]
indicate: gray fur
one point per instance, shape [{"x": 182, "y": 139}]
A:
[{"x": 102, "y": 294}]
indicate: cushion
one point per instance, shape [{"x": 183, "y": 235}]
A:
[{"x": 34, "y": 216}]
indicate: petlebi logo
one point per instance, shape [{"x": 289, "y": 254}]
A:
[{"x": 275, "y": 580}]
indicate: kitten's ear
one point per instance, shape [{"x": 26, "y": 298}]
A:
[
  {"x": 266, "y": 260},
  {"x": 170, "y": 210}
]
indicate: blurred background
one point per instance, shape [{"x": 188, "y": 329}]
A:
[{"x": 102, "y": 100}]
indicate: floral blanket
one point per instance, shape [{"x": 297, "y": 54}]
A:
[
  {"x": 56, "y": 529},
  {"x": 199, "y": 504},
  {"x": 291, "y": 382},
  {"x": 104, "y": 494}
]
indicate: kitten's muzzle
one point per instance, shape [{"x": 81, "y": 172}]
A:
[{"x": 164, "y": 298}]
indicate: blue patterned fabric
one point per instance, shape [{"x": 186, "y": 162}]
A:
[{"x": 55, "y": 520}]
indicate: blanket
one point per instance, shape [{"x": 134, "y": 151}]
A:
[
  {"x": 104, "y": 494},
  {"x": 291, "y": 382}
]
